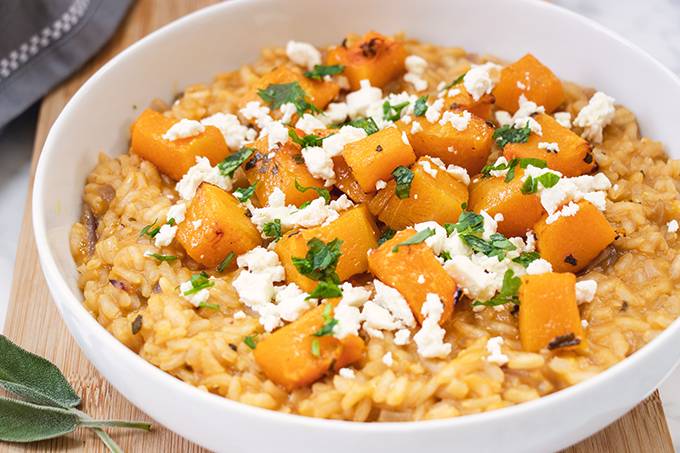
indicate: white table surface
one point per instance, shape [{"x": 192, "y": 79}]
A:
[{"x": 654, "y": 25}]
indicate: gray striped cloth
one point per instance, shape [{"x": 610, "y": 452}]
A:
[{"x": 44, "y": 41}]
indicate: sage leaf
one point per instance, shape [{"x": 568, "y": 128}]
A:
[
  {"x": 33, "y": 378},
  {"x": 21, "y": 421}
]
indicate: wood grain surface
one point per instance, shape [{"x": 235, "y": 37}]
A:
[{"x": 33, "y": 321}]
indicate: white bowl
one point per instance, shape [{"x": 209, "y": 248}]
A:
[{"x": 223, "y": 37}]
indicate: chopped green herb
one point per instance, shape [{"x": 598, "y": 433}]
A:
[
  {"x": 325, "y": 290},
  {"x": 210, "y": 306},
  {"x": 245, "y": 193},
  {"x": 366, "y": 124},
  {"x": 305, "y": 141},
  {"x": 150, "y": 230},
  {"x": 497, "y": 245},
  {"x": 415, "y": 239},
  {"x": 226, "y": 262},
  {"x": 321, "y": 259},
  {"x": 463, "y": 205},
  {"x": 161, "y": 258},
  {"x": 171, "y": 222},
  {"x": 507, "y": 294},
  {"x": 456, "y": 81},
  {"x": 320, "y": 191},
  {"x": 323, "y": 70},
  {"x": 509, "y": 134},
  {"x": 386, "y": 235},
  {"x": 403, "y": 176},
  {"x": 420, "y": 106},
  {"x": 329, "y": 322},
  {"x": 547, "y": 180},
  {"x": 272, "y": 229},
  {"x": 468, "y": 223},
  {"x": 316, "y": 347},
  {"x": 445, "y": 255},
  {"x": 231, "y": 163},
  {"x": 525, "y": 258},
  {"x": 305, "y": 204},
  {"x": 199, "y": 282},
  {"x": 393, "y": 112},
  {"x": 250, "y": 341},
  {"x": 278, "y": 94}
]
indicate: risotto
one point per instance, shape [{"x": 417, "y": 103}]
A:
[{"x": 383, "y": 230}]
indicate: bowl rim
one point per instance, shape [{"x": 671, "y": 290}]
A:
[{"x": 153, "y": 375}]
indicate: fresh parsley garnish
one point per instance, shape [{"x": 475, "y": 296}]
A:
[
  {"x": 509, "y": 134},
  {"x": 507, "y": 294},
  {"x": 497, "y": 245},
  {"x": 325, "y": 290},
  {"x": 456, "y": 81},
  {"x": 366, "y": 124},
  {"x": 323, "y": 70},
  {"x": 328, "y": 324},
  {"x": 198, "y": 282},
  {"x": 468, "y": 223},
  {"x": 272, "y": 229},
  {"x": 320, "y": 191},
  {"x": 316, "y": 347},
  {"x": 393, "y": 112},
  {"x": 525, "y": 258},
  {"x": 278, "y": 94},
  {"x": 150, "y": 230},
  {"x": 420, "y": 106},
  {"x": 208, "y": 305},
  {"x": 161, "y": 258},
  {"x": 445, "y": 255},
  {"x": 305, "y": 141},
  {"x": 231, "y": 163},
  {"x": 320, "y": 261},
  {"x": 547, "y": 180},
  {"x": 386, "y": 235},
  {"x": 415, "y": 239},
  {"x": 226, "y": 262},
  {"x": 403, "y": 176},
  {"x": 510, "y": 166},
  {"x": 245, "y": 193},
  {"x": 250, "y": 341}
]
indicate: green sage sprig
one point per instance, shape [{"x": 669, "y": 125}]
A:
[{"x": 48, "y": 404}]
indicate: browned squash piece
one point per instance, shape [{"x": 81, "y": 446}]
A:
[
  {"x": 288, "y": 356},
  {"x": 462, "y": 99},
  {"x": 355, "y": 227},
  {"x": 402, "y": 269},
  {"x": 345, "y": 181},
  {"x": 468, "y": 148},
  {"x": 548, "y": 313},
  {"x": 437, "y": 198},
  {"x": 570, "y": 243},
  {"x": 319, "y": 93},
  {"x": 530, "y": 77},
  {"x": 574, "y": 157},
  {"x": 223, "y": 227},
  {"x": 280, "y": 171},
  {"x": 495, "y": 196},
  {"x": 174, "y": 158},
  {"x": 375, "y": 157},
  {"x": 373, "y": 57}
]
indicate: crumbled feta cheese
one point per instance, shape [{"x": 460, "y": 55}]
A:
[
  {"x": 240, "y": 315},
  {"x": 476, "y": 283},
  {"x": 437, "y": 240},
  {"x": 563, "y": 119},
  {"x": 177, "y": 212},
  {"x": 673, "y": 226},
  {"x": 347, "y": 311},
  {"x": 347, "y": 373},
  {"x": 457, "y": 172},
  {"x": 459, "y": 121},
  {"x": 551, "y": 147},
  {"x": 262, "y": 261},
  {"x": 493, "y": 347},
  {"x": 184, "y": 128},
  {"x": 481, "y": 79},
  {"x": 390, "y": 299},
  {"x": 336, "y": 113},
  {"x": 523, "y": 115},
  {"x": 334, "y": 144},
  {"x": 287, "y": 110},
  {"x": 196, "y": 298},
  {"x": 309, "y": 124},
  {"x": 490, "y": 225},
  {"x": 406, "y": 119},
  {"x": 499, "y": 173},
  {"x": 255, "y": 111},
  {"x": 359, "y": 101},
  {"x": 531, "y": 242},
  {"x": 387, "y": 359},
  {"x": 197, "y": 223},
  {"x": 165, "y": 235},
  {"x": 585, "y": 291},
  {"x": 453, "y": 92},
  {"x": 575, "y": 189},
  {"x": 521, "y": 85},
  {"x": 291, "y": 301},
  {"x": 415, "y": 67},
  {"x": 503, "y": 118},
  {"x": 425, "y": 165},
  {"x": 430, "y": 338},
  {"x": 380, "y": 184},
  {"x": 595, "y": 116},
  {"x": 276, "y": 133},
  {"x": 401, "y": 337},
  {"x": 421, "y": 279},
  {"x": 303, "y": 54},
  {"x": 404, "y": 138},
  {"x": 235, "y": 134},
  {"x": 199, "y": 173},
  {"x": 539, "y": 266},
  {"x": 568, "y": 210},
  {"x": 319, "y": 163},
  {"x": 416, "y": 127},
  {"x": 434, "y": 111}
]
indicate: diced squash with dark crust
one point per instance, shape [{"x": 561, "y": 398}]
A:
[
  {"x": 462, "y": 99},
  {"x": 535, "y": 81},
  {"x": 373, "y": 158},
  {"x": 574, "y": 157},
  {"x": 402, "y": 270},
  {"x": 374, "y": 57},
  {"x": 345, "y": 181},
  {"x": 495, "y": 196},
  {"x": 174, "y": 158},
  {"x": 286, "y": 356},
  {"x": 548, "y": 312},
  {"x": 468, "y": 148},
  {"x": 355, "y": 227},
  {"x": 280, "y": 172},
  {"x": 570, "y": 243},
  {"x": 319, "y": 93},
  {"x": 437, "y": 198},
  {"x": 223, "y": 227}
]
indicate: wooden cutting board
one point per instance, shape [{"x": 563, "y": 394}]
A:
[{"x": 33, "y": 321}]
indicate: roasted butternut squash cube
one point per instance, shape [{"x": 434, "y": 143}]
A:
[
  {"x": 290, "y": 359},
  {"x": 174, "y": 158},
  {"x": 355, "y": 227},
  {"x": 280, "y": 172},
  {"x": 375, "y": 157},
  {"x": 434, "y": 195},
  {"x": 468, "y": 148},
  {"x": 535, "y": 81},
  {"x": 345, "y": 181},
  {"x": 373, "y": 57},
  {"x": 223, "y": 227},
  {"x": 319, "y": 93},
  {"x": 495, "y": 196},
  {"x": 404, "y": 268},
  {"x": 457, "y": 98},
  {"x": 570, "y": 243},
  {"x": 548, "y": 312},
  {"x": 573, "y": 158}
]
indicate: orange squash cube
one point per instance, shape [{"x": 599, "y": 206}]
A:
[
  {"x": 548, "y": 312},
  {"x": 437, "y": 198},
  {"x": 458, "y": 98},
  {"x": 355, "y": 227},
  {"x": 287, "y": 356},
  {"x": 535, "y": 81},
  {"x": 402, "y": 270},
  {"x": 571, "y": 243},
  {"x": 374, "y": 57},
  {"x": 174, "y": 158},
  {"x": 346, "y": 182},
  {"x": 574, "y": 157},
  {"x": 375, "y": 157},
  {"x": 495, "y": 196},
  {"x": 468, "y": 148},
  {"x": 223, "y": 227}
]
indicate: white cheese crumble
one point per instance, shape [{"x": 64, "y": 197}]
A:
[
  {"x": 319, "y": 163},
  {"x": 235, "y": 134},
  {"x": 165, "y": 235},
  {"x": 493, "y": 347},
  {"x": 523, "y": 115},
  {"x": 539, "y": 266},
  {"x": 303, "y": 54},
  {"x": 415, "y": 69},
  {"x": 347, "y": 373},
  {"x": 240, "y": 315},
  {"x": 416, "y": 127},
  {"x": 199, "y": 173},
  {"x": 568, "y": 210},
  {"x": 359, "y": 101},
  {"x": 434, "y": 111},
  {"x": 437, "y": 241},
  {"x": 401, "y": 337},
  {"x": 276, "y": 133},
  {"x": 196, "y": 298},
  {"x": 458, "y": 121},
  {"x": 481, "y": 79},
  {"x": 425, "y": 165},
  {"x": 475, "y": 281},
  {"x": 503, "y": 118},
  {"x": 585, "y": 291},
  {"x": 551, "y": 147},
  {"x": 457, "y": 172},
  {"x": 404, "y": 138},
  {"x": 430, "y": 338},
  {"x": 387, "y": 311},
  {"x": 335, "y": 113},
  {"x": 177, "y": 212},
  {"x": 563, "y": 119},
  {"x": 334, "y": 144},
  {"x": 309, "y": 124},
  {"x": 595, "y": 116},
  {"x": 673, "y": 226},
  {"x": 347, "y": 311},
  {"x": 380, "y": 184},
  {"x": 387, "y": 359},
  {"x": 586, "y": 187},
  {"x": 255, "y": 112},
  {"x": 287, "y": 111},
  {"x": 184, "y": 128},
  {"x": 421, "y": 279}
]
